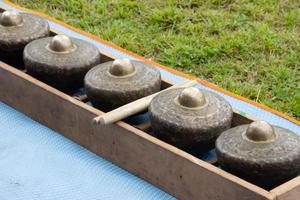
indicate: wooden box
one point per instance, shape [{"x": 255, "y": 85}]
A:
[{"x": 131, "y": 147}]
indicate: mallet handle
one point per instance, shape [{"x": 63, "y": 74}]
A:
[{"x": 135, "y": 106}]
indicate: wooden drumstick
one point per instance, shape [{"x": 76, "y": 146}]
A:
[{"x": 135, "y": 106}]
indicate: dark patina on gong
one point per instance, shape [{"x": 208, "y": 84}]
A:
[
  {"x": 115, "y": 83},
  {"x": 17, "y": 30},
  {"x": 260, "y": 153},
  {"x": 60, "y": 61},
  {"x": 190, "y": 119}
]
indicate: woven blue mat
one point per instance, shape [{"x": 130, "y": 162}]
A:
[{"x": 37, "y": 163}]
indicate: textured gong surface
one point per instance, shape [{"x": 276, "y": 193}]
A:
[
  {"x": 266, "y": 164},
  {"x": 108, "y": 92},
  {"x": 62, "y": 70},
  {"x": 193, "y": 130},
  {"x": 13, "y": 38}
]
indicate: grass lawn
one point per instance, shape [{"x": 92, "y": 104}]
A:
[{"x": 249, "y": 47}]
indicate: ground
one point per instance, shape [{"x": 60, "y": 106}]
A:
[{"x": 249, "y": 47}]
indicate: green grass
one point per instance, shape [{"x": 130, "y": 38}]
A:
[{"x": 249, "y": 47}]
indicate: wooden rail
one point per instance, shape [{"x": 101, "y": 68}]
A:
[{"x": 130, "y": 146}]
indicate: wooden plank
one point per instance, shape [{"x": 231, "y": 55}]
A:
[
  {"x": 178, "y": 173},
  {"x": 288, "y": 191},
  {"x": 106, "y": 56}
]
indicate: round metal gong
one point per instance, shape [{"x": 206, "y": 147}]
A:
[
  {"x": 18, "y": 29},
  {"x": 60, "y": 61},
  {"x": 190, "y": 119},
  {"x": 260, "y": 153},
  {"x": 115, "y": 83}
]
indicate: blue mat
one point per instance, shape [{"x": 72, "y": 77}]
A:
[{"x": 37, "y": 163}]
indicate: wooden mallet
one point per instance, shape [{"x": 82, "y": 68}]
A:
[{"x": 135, "y": 106}]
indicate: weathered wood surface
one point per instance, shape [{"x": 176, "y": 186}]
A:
[
  {"x": 178, "y": 173},
  {"x": 167, "y": 167},
  {"x": 288, "y": 191}
]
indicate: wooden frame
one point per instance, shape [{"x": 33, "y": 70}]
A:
[{"x": 165, "y": 166}]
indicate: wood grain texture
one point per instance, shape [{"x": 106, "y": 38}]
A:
[
  {"x": 179, "y": 173},
  {"x": 167, "y": 167},
  {"x": 288, "y": 191}
]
